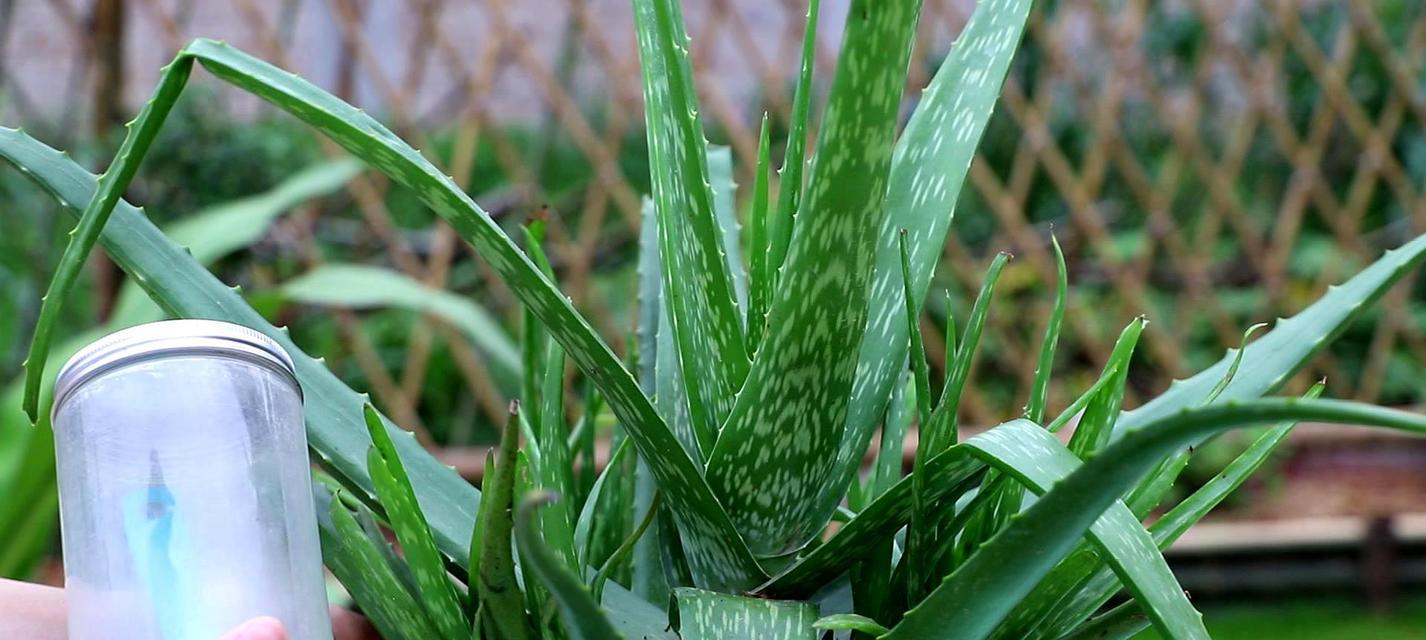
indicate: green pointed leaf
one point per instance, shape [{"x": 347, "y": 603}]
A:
[
  {"x": 492, "y": 571},
  {"x": 706, "y": 615},
  {"x": 849, "y": 622},
  {"x": 1273, "y": 358},
  {"x": 928, "y": 169},
  {"x": 1081, "y": 585},
  {"x": 554, "y": 472},
  {"x": 393, "y": 489},
  {"x": 1120, "y": 623},
  {"x": 1001, "y": 573},
  {"x": 367, "y": 576},
  {"x": 1095, "y": 426},
  {"x": 941, "y": 432},
  {"x": 583, "y": 617},
  {"x": 110, "y": 190},
  {"x": 794, "y": 156},
  {"x": 353, "y": 286},
  {"x": 761, "y": 275},
  {"x": 699, "y": 292},
  {"x": 888, "y": 468},
  {"x": 1035, "y": 409},
  {"x": 720, "y": 179},
  {"x": 770, "y": 461}
]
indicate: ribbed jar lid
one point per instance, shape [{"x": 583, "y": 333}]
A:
[{"x": 170, "y": 338}]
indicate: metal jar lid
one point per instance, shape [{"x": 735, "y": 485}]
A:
[{"x": 171, "y": 338}]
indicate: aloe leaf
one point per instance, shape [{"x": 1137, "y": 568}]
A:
[
  {"x": 493, "y": 576},
  {"x": 595, "y": 507},
  {"x": 888, "y": 469},
  {"x": 582, "y": 615},
  {"x": 648, "y": 578},
  {"x": 1273, "y": 358},
  {"x": 367, "y": 576},
  {"x": 794, "y": 155},
  {"x": 1039, "y": 389},
  {"x": 1097, "y": 422},
  {"x": 917, "y": 538},
  {"x": 951, "y": 474},
  {"x": 393, "y": 489},
  {"x": 770, "y": 462},
  {"x": 1000, "y": 574},
  {"x": 849, "y": 622},
  {"x": 1080, "y": 586},
  {"x": 554, "y": 471},
  {"x": 624, "y": 550},
  {"x": 1037, "y": 459},
  {"x": 941, "y": 432},
  {"x": 221, "y": 229},
  {"x": 722, "y": 558},
  {"x": 352, "y": 286},
  {"x": 1120, "y": 623},
  {"x": 760, "y": 272},
  {"x": 720, "y": 179},
  {"x": 928, "y": 170},
  {"x": 112, "y": 183},
  {"x": 707, "y": 615},
  {"x": 184, "y": 288},
  {"x": 707, "y": 327}
]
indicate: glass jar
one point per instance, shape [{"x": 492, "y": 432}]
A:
[{"x": 185, "y": 488}]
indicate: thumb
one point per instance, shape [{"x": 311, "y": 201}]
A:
[{"x": 264, "y": 628}]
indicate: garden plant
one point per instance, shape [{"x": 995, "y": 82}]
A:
[{"x": 732, "y": 505}]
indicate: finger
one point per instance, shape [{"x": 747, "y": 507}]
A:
[
  {"x": 264, "y": 628},
  {"x": 348, "y": 625}
]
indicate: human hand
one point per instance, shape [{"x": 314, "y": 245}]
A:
[{"x": 345, "y": 626}]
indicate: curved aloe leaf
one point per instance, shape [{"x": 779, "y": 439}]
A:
[
  {"x": 353, "y": 286},
  {"x": 1038, "y": 460},
  {"x": 794, "y": 156},
  {"x": 1080, "y": 586},
  {"x": 582, "y": 615},
  {"x": 708, "y": 333},
  {"x": 1273, "y": 358},
  {"x": 706, "y": 615},
  {"x": 366, "y": 573},
  {"x": 927, "y": 171},
  {"x": 717, "y": 551},
  {"x": 393, "y": 489},
  {"x": 112, "y": 183},
  {"x": 720, "y": 179},
  {"x": 221, "y": 229},
  {"x": 770, "y": 462},
  {"x": 1035, "y": 408},
  {"x": 975, "y": 598},
  {"x": 760, "y": 273}
]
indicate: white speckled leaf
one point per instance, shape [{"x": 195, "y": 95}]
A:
[
  {"x": 931, "y": 161},
  {"x": 770, "y": 462},
  {"x": 720, "y": 177},
  {"x": 705, "y": 615},
  {"x": 698, "y": 291}
]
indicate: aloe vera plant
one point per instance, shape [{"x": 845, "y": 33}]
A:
[{"x": 758, "y": 389}]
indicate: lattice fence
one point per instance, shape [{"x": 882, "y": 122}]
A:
[{"x": 1207, "y": 163}]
